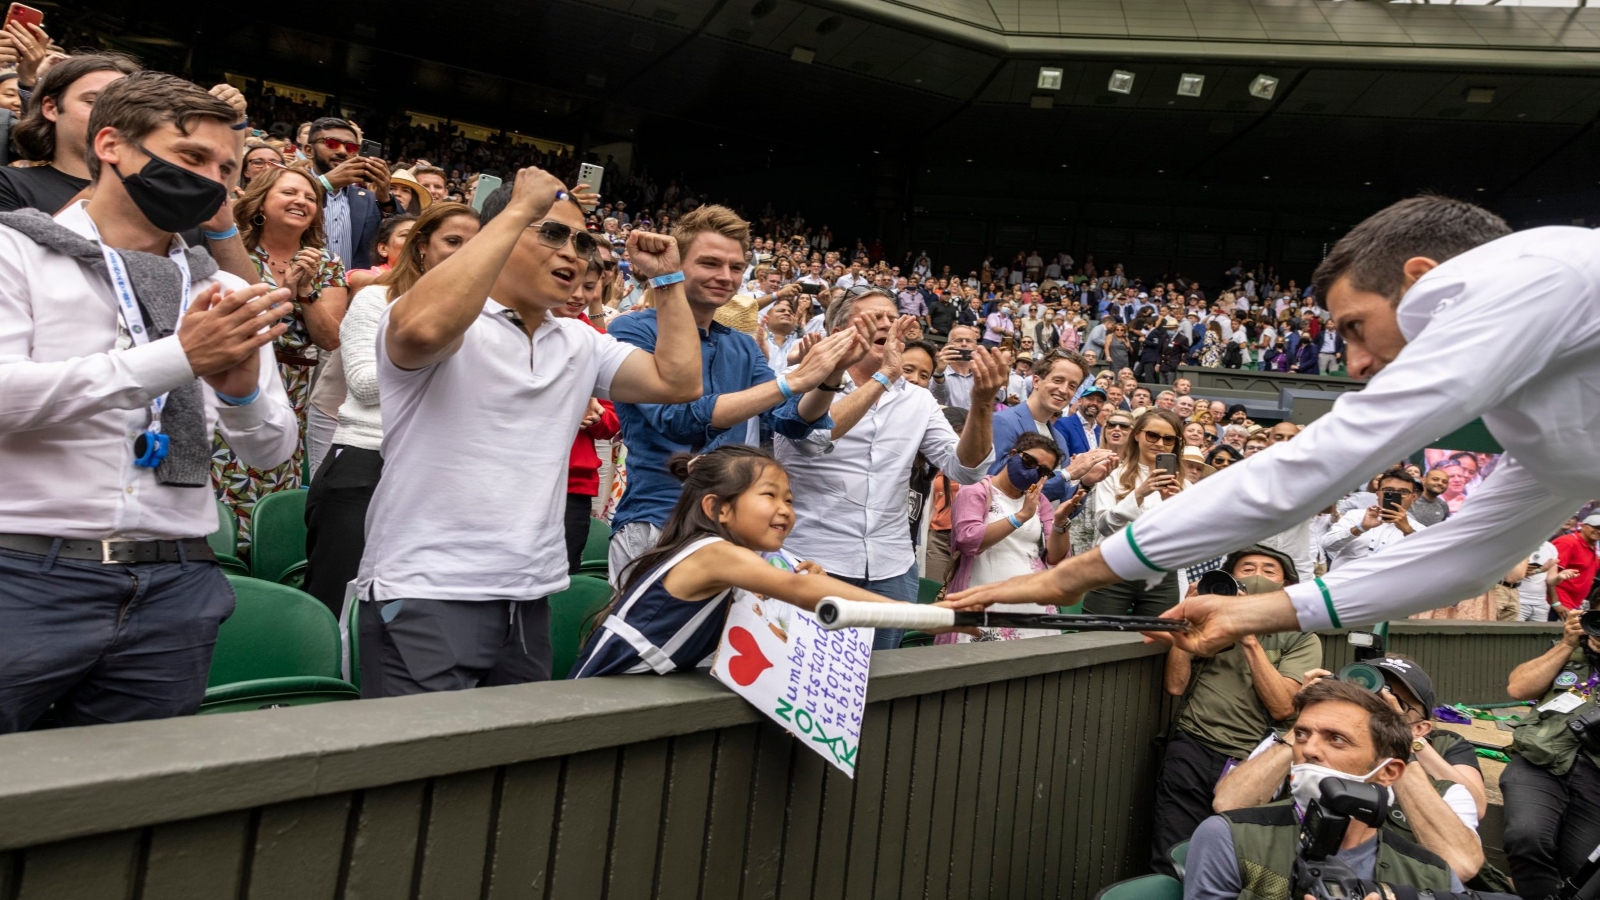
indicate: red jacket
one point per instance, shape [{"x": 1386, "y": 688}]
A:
[
  {"x": 583, "y": 466},
  {"x": 1575, "y": 553}
]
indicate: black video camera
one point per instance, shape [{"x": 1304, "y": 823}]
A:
[
  {"x": 1586, "y": 727},
  {"x": 1316, "y": 870}
]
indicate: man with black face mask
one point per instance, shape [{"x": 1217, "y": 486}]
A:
[
  {"x": 110, "y": 597},
  {"x": 1230, "y": 701},
  {"x": 55, "y": 129},
  {"x": 1552, "y": 786}
]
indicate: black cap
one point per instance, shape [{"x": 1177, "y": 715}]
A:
[{"x": 1407, "y": 672}]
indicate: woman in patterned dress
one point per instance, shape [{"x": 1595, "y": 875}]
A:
[{"x": 280, "y": 220}]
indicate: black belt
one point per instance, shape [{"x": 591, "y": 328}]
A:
[
  {"x": 1511, "y": 584},
  {"x": 110, "y": 551}
]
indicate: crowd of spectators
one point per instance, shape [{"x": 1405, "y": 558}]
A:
[{"x": 750, "y": 405}]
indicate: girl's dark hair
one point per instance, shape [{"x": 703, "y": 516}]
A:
[
  {"x": 1033, "y": 440},
  {"x": 724, "y": 473},
  {"x": 386, "y": 231},
  {"x": 1220, "y": 451}
]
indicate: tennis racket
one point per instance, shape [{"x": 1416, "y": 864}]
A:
[{"x": 835, "y": 613}]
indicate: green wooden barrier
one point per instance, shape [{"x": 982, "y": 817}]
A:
[{"x": 1018, "y": 769}]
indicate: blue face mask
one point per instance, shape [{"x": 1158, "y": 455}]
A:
[{"x": 1021, "y": 476}]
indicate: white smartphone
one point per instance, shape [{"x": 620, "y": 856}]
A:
[
  {"x": 487, "y": 184},
  {"x": 591, "y": 174}
]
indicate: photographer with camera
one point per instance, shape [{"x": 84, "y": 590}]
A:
[
  {"x": 1342, "y": 731},
  {"x": 1552, "y": 786},
  {"x": 1365, "y": 531},
  {"x": 1440, "y": 810},
  {"x": 1229, "y": 700}
]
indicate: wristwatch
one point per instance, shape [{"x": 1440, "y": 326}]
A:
[{"x": 1417, "y": 745}]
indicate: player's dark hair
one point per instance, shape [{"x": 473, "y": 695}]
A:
[{"x": 1373, "y": 254}]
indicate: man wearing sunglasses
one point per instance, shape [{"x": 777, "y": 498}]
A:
[
  {"x": 358, "y": 191},
  {"x": 483, "y": 393}
]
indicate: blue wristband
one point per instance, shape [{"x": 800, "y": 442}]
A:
[
  {"x": 326, "y": 185},
  {"x": 784, "y": 389},
  {"x": 1015, "y": 522},
  {"x": 882, "y": 379},
  {"x": 221, "y": 235},
  {"x": 239, "y": 401},
  {"x": 241, "y": 125},
  {"x": 661, "y": 281}
]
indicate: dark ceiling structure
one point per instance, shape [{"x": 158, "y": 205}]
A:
[{"x": 883, "y": 115}]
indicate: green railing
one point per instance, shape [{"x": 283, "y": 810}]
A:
[{"x": 1020, "y": 769}]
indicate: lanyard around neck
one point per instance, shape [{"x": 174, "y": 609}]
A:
[{"x": 128, "y": 305}]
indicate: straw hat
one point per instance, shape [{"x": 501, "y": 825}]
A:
[
  {"x": 1193, "y": 455},
  {"x": 405, "y": 179}
]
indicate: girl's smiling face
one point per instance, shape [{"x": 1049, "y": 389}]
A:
[{"x": 762, "y": 516}]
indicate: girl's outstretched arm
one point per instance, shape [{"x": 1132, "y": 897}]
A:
[{"x": 716, "y": 567}]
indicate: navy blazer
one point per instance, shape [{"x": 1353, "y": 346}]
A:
[
  {"x": 1069, "y": 434},
  {"x": 365, "y": 216},
  {"x": 1013, "y": 422}
]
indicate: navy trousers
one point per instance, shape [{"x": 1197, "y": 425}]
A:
[{"x": 105, "y": 642}]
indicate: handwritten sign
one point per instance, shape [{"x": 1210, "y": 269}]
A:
[{"x": 811, "y": 681}]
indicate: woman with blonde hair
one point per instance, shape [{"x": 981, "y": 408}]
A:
[
  {"x": 336, "y": 505},
  {"x": 1135, "y": 487},
  {"x": 280, "y": 223}
]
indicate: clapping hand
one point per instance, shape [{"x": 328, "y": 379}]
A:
[
  {"x": 221, "y": 334},
  {"x": 989, "y": 374},
  {"x": 1030, "y": 502},
  {"x": 301, "y": 275}
]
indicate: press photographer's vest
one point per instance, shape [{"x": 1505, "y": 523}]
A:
[
  {"x": 1266, "y": 840},
  {"x": 1543, "y": 738}
]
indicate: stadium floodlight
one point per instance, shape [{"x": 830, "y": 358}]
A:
[
  {"x": 1121, "y": 82},
  {"x": 1480, "y": 95},
  {"x": 1263, "y": 87},
  {"x": 1049, "y": 79},
  {"x": 802, "y": 54},
  {"x": 1190, "y": 84}
]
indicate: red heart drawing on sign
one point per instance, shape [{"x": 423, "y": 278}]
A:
[{"x": 751, "y": 662}]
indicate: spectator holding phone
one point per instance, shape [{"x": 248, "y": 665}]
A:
[
  {"x": 357, "y": 191},
  {"x": 1135, "y": 487},
  {"x": 1362, "y": 532}
]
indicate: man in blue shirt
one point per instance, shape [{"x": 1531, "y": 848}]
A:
[
  {"x": 741, "y": 394},
  {"x": 1056, "y": 379}
]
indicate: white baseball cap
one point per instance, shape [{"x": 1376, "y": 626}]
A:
[{"x": 1593, "y": 521}]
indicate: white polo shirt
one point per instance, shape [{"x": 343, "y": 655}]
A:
[{"x": 475, "y": 451}]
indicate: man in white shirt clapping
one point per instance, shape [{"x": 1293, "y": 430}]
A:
[
  {"x": 850, "y": 485},
  {"x": 122, "y": 353}
]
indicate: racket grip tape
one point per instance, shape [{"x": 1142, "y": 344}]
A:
[{"x": 835, "y": 613}]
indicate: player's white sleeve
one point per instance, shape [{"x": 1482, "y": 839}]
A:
[
  {"x": 1461, "y": 557},
  {"x": 1440, "y": 382}
]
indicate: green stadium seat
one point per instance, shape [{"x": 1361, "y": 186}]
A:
[
  {"x": 928, "y": 590},
  {"x": 278, "y": 535},
  {"x": 1179, "y": 854},
  {"x": 594, "y": 560},
  {"x": 1145, "y": 887},
  {"x": 232, "y": 565},
  {"x": 571, "y": 611},
  {"x": 279, "y": 648},
  {"x": 225, "y": 540}
]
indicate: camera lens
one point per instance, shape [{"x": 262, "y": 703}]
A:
[
  {"x": 1362, "y": 675},
  {"x": 1219, "y": 583},
  {"x": 1591, "y": 623}
]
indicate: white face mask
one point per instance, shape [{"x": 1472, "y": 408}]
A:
[{"x": 1305, "y": 780}]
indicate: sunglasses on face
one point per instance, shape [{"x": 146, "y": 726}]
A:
[
  {"x": 1029, "y": 462},
  {"x": 1119, "y": 425},
  {"x": 1156, "y": 437},
  {"x": 555, "y": 236},
  {"x": 335, "y": 145}
]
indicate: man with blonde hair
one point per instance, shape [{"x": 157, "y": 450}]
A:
[{"x": 741, "y": 397}]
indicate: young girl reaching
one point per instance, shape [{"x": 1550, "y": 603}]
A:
[{"x": 669, "y": 613}]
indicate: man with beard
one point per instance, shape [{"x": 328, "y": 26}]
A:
[{"x": 358, "y": 191}]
